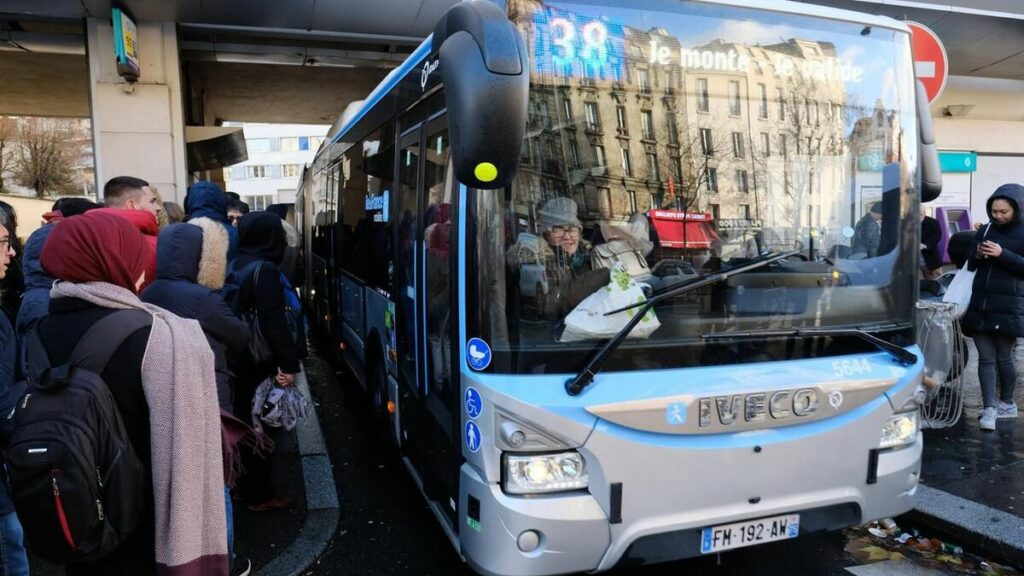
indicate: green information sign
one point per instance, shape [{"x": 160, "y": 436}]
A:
[{"x": 958, "y": 161}]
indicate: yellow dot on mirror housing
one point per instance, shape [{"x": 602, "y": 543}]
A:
[{"x": 485, "y": 172}]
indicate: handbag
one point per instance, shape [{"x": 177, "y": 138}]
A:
[
  {"x": 959, "y": 291},
  {"x": 259, "y": 348}
]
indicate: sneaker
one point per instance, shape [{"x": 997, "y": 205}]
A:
[
  {"x": 243, "y": 567},
  {"x": 988, "y": 419},
  {"x": 1007, "y": 410}
]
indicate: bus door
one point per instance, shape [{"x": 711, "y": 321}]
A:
[{"x": 428, "y": 371}]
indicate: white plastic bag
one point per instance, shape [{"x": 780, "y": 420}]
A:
[
  {"x": 959, "y": 291},
  {"x": 588, "y": 321}
]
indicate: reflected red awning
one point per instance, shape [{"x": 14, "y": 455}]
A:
[{"x": 672, "y": 234}]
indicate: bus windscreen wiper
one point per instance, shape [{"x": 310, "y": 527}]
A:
[
  {"x": 585, "y": 377},
  {"x": 902, "y": 355}
]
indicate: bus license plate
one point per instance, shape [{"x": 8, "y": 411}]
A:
[{"x": 749, "y": 533}]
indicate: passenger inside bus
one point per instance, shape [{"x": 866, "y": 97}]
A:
[{"x": 566, "y": 258}]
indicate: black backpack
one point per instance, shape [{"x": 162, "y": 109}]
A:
[{"x": 77, "y": 483}]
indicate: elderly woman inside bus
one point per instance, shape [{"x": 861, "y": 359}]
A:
[{"x": 564, "y": 257}]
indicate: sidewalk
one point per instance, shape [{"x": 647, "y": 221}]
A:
[{"x": 974, "y": 480}]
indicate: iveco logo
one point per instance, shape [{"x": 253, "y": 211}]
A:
[
  {"x": 780, "y": 405},
  {"x": 428, "y": 69}
]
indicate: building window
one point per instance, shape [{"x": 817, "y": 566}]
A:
[
  {"x": 289, "y": 144},
  {"x": 258, "y": 145},
  {"x": 677, "y": 161},
  {"x": 713, "y": 208},
  {"x": 259, "y": 201},
  {"x": 291, "y": 171},
  {"x": 782, "y": 145},
  {"x": 647, "y": 118},
  {"x": 762, "y": 110},
  {"x": 766, "y": 145},
  {"x": 574, "y": 154},
  {"x": 652, "y": 167},
  {"x": 742, "y": 182},
  {"x": 627, "y": 162},
  {"x": 303, "y": 142},
  {"x": 620, "y": 118},
  {"x": 599, "y": 156},
  {"x": 737, "y": 145},
  {"x": 781, "y": 101},
  {"x": 655, "y": 200},
  {"x": 711, "y": 179},
  {"x": 734, "y": 98},
  {"x": 567, "y": 110},
  {"x": 255, "y": 171},
  {"x": 643, "y": 81},
  {"x": 702, "y": 95},
  {"x": 593, "y": 118},
  {"x": 673, "y": 129},
  {"x": 632, "y": 201},
  {"x": 745, "y": 211},
  {"x": 707, "y": 145}
]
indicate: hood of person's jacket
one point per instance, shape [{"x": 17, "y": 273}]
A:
[
  {"x": 206, "y": 200},
  {"x": 195, "y": 252},
  {"x": 260, "y": 234},
  {"x": 1015, "y": 194},
  {"x": 34, "y": 275},
  {"x": 141, "y": 219}
]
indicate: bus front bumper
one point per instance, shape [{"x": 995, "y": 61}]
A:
[{"x": 571, "y": 532}]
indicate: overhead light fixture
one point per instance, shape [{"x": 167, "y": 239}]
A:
[{"x": 958, "y": 109}]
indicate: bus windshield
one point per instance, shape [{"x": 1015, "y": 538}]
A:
[{"x": 663, "y": 145}]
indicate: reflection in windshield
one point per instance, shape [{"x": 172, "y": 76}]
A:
[{"x": 673, "y": 144}]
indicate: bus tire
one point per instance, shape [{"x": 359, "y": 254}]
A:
[{"x": 378, "y": 391}]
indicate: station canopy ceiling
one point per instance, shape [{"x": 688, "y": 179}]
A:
[{"x": 325, "y": 53}]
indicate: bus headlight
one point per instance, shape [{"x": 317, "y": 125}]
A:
[
  {"x": 539, "y": 473},
  {"x": 900, "y": 430}
]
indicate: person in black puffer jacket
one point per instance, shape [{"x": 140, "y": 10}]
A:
[
  {"x": 262, "y": 245},
  {"x": 995, "y": 316}
]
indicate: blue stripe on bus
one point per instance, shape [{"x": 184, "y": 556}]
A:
[
  {"x": 548, "y": 392},
  {"x": 386, "y": 85}
]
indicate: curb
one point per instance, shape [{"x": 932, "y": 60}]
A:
[
  {"x": 991, "y": 531},
  {"x": 322, "y": 512}
]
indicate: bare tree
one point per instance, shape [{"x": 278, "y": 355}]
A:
[
  {"x": 8, "y": 135},
  {"x": 48, "y": 152}
]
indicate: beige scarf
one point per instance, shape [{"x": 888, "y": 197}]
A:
[{"x": 185, "y": 439}]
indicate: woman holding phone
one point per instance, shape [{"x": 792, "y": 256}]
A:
[{"x": 995, "y": 316}]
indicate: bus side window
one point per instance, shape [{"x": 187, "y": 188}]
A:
[{"x": 437, "y": 235}]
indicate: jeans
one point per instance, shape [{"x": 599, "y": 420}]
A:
[
  {"x": 229, "y": 515},
  {"x": 13, "y": 560},
  {"x": 995, "y": 357}
]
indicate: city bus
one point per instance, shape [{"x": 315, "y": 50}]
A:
[{"x": 633, "y": 284}]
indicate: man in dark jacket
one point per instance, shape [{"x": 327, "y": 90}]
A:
[
  {"x": 38, "y": 283},
  {"x": 931, "y": 234},
  {"x": 261, "y": 247},
  {"x": 206, "y": 200},
  {"x": 190, "y": 268},
  {"x": 995, "y": 315},
  {"x": 867, "y": 235}
]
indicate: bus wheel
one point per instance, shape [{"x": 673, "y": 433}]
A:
[{"x": 379, "y": 396}]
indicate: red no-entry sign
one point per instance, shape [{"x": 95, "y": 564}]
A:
[{"x": 930, "y": 62}]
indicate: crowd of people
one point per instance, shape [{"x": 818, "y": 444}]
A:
[{"x": 127, "y": 341}]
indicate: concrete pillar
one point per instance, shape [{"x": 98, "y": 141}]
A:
[{"x": 138, "y": 129}]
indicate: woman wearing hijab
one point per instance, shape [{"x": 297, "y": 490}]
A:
[
  {"x": 257, "y": 275},
  {"x": 162, "y": 380},
  {"x": 995, "y": 316}
]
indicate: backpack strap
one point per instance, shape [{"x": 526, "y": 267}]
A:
[{"x": 100, "y": 341}]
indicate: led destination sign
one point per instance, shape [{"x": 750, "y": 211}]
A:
[{"x": 576, "y": 45}]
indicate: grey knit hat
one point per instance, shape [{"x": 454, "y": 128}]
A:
[{"x": 558, "y": 212}]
